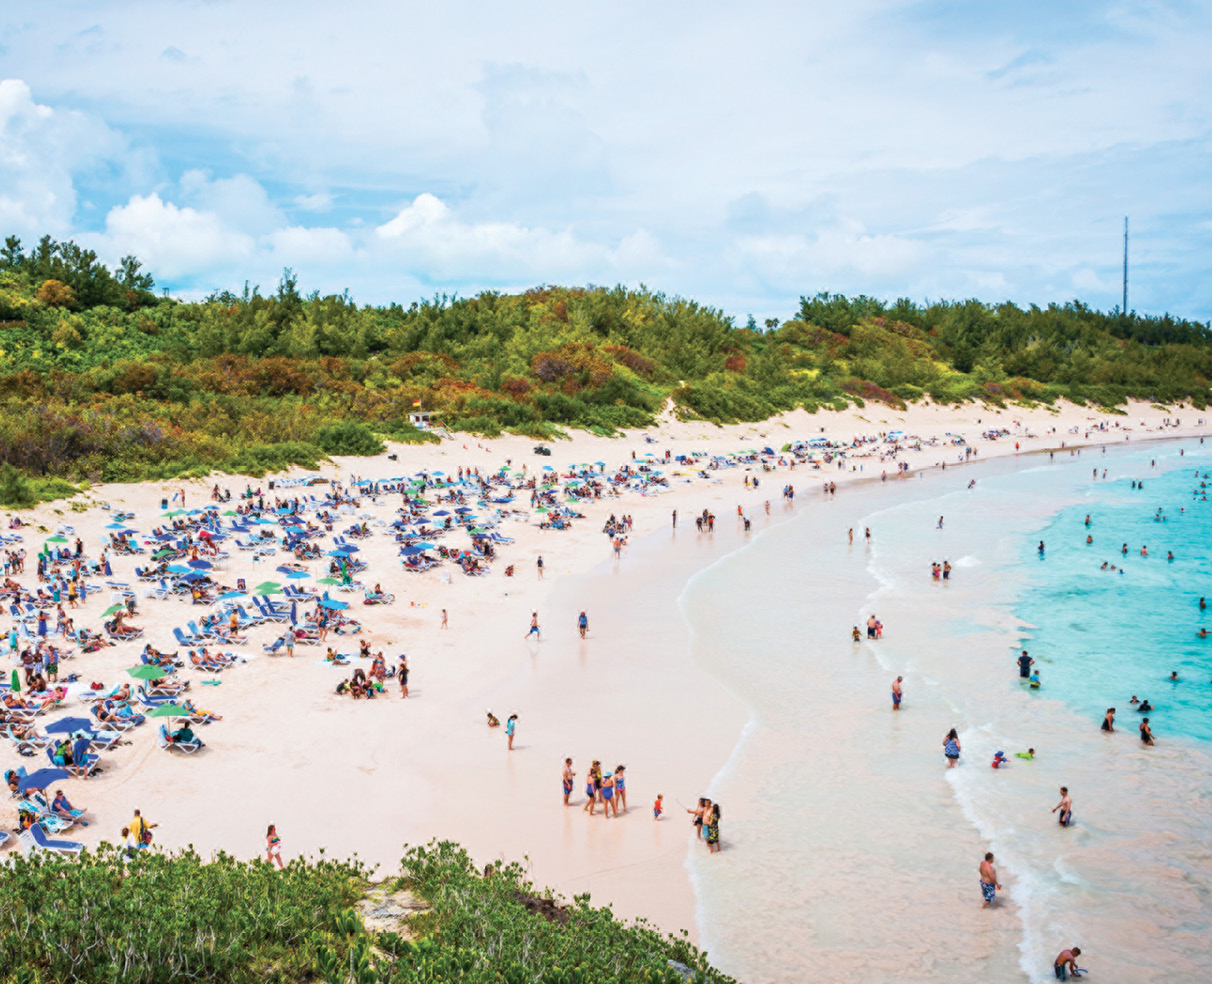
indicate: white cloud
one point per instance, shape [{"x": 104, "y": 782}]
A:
[
  {"x": 434, "y": 241},
  {"x": 40, "y": 147},
  {"x": 297, "y": 245},
  {"x": 173, "y": 241},
  {"x": 319, "y": 202}
]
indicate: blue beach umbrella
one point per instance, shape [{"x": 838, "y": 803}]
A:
[
  {"x": 69, "y": 724},
  {"x": 42, "y": 778},
  {"x": 333, "y": 603},
  {"x": 179, "y": 569},
  {"x": 115, "y": 526},
  {"x": 296, "y": 575},
  {"x": 232, "y": 595},
  {"x": 193, "y": 576},
  {"x": 200, "y": 565}
]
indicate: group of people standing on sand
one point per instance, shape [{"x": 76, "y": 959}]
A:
[{"x": 607, "y": 789}]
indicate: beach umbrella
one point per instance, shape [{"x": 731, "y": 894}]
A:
[
  {"x": 169, "y": 710},
  {"x": 57, "y": 539},
  {"x": 333, "y": 603},
  {"x": 232, "y": 595},
  {"x": 441, "y": 512},
  {"x": 179, "y": 569},
  {"x": 200, "y": 565},
  {"x": 230, "y": 512},
  {"x": 16, "y": 684},
  {"x": 69, "y": 724},
  {"x": 423, "y": 546},
  {"x": 296, "y": 575},
  {"x": 268, "y": 587},
  {"x": 42, "y": 778},
  {"x": 193, "y": 576},
  {"x": 113, "y": 610},
  {"x": 147, "y": 672},
  {"x": 114, "y": 526},
  {"x": 328, "y": 580},
  {"x": 160, "y": 554}
]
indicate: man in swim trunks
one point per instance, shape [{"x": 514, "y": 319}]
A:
[
  {"x": 989, "y": 885},
  {"x": 870, "y": 626},
  {"x": 567, "y": 779},
  {"x": 534, "y": 626},
  {"x": 1065, "y": 962},
  {"x": 1066, "y": 808},
  {"x": 1025, "y": 663},
  {"x": 897, "y": 693}
]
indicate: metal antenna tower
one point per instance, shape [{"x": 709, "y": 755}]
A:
[{"x": 1125, "y": 308}]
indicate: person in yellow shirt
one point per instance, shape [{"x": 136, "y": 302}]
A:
[{"x": 141, "y": 830}]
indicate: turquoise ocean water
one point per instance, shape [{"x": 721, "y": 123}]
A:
[{"x": 1102, "y": 636}]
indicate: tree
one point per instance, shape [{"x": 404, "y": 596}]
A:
[
  {"x": 130, "y": 277},
  {"x": 10, "y": 256},
  {"x": 55, "y": 293}
]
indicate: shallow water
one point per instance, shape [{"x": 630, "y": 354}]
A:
[{"x": 851, "y": 852}]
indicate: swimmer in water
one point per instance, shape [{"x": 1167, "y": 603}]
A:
[
  {"x": 1029, "y": 754},
  {"x": 1034, "y": 680},
  {"x": 1124, "y": 550},
  {"x": 1174, "y": 676},
  {"x": 1169, "y": 555},
  {"x": 1144, "y": 551},
  {"x": 1146, "y": 733},
  {"x": 1145, "y": 707},
  {"x": 1089, "y": 540},
  {"x": 1108, "y": 724},
  {"x": 1040, "y": 548},
  {"x": 1202, "y": 634}
]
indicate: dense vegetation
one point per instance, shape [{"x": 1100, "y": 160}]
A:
[
  {"x": 102, "y": 379},
  {"x": 165, "y": 918}
]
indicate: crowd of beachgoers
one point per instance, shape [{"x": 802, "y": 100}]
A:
[{"x": 228, "y": 571}]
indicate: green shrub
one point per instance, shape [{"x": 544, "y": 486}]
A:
[{"x": 347, "y": 437}]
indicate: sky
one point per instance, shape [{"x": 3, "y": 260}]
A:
[{"x": 742, "y": 155}]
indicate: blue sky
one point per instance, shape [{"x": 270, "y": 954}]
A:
[{"x": 742, "y": 157}]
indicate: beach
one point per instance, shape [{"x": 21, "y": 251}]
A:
[{"x": 684, "y": 677}]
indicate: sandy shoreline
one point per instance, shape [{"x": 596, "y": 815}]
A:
[{"x": 366, "y": 777}]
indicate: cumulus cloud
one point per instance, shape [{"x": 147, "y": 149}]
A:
[
  {"x": 40, "y": 148},
  {"x": 434, "y": 240},
  {"x": 171, "y": 240}
]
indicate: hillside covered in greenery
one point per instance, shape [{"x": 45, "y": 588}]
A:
[
  {"x": 101, "y": 379},
  {"x": 161, "y": 919}
]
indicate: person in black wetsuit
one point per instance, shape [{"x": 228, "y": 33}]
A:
[{"x": 1024, "y": 665}]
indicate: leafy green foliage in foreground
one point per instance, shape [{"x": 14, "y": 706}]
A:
[
  {"x": 102, "y": 380},
  {"x": 166, "y": 918}
]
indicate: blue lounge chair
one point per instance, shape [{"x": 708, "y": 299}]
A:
[{"x": 39, "y": 841}]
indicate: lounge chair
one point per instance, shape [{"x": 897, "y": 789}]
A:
[
  {"x": 166, "y": 742},
  {"x": 35, "y": 839}
]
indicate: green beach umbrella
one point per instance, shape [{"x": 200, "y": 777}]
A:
[
  {"x": 159, "y": 554},
  {"x": 16, "y": 684},
  {"x": 541, "y": 509},
  {"x": 57, "y": 539},
  {"x": 328, "y": 580},
  {"x": 113, "y": 610},
  {"x": 147, "y": 672},
  {"x": 269, "y": 587},
  {"x": 168, "y": 711},
  {"x": 230, "y": 512}
]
